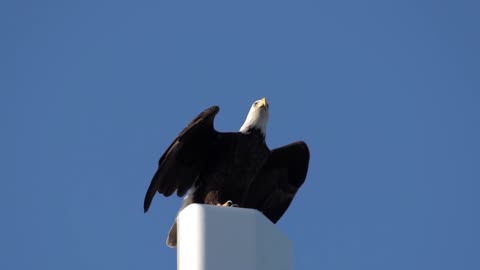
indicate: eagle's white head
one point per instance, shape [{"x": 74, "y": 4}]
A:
[{"x": 257, "y": 117}]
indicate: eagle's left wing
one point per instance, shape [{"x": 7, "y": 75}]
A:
[{"x": 272, "y": 191}]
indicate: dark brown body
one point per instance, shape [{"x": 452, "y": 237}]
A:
[{"x": 231, "y": 165}]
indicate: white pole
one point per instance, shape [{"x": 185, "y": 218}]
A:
[{"x": 230, "y": 238}]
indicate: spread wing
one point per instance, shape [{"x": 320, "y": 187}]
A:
[
  {"x": 273, "y": 189},
  {"x": 180, "y": 165}
]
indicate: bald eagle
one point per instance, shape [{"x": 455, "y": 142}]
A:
[{"x": 230, "y": 168}]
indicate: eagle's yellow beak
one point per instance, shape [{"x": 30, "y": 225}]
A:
[{"x": 263, "y": 102}]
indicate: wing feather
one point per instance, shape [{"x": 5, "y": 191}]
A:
[
  {"x": 275, "y": 186},
  {"x": 180, "y": 165}
]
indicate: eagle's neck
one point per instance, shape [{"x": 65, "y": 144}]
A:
[
  {"x": 254, "y": 131},
  {"x": 256, "y": 122}
]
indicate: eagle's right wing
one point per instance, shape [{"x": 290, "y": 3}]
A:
[{"x": 180, "y": 165}]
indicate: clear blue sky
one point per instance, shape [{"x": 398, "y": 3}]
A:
[{"x": 386, "y": 94}]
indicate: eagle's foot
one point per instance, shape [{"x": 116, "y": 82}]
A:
[{"x": 228, "y": 204}]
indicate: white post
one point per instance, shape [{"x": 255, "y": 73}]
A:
[{"x": 220, "y": 238}]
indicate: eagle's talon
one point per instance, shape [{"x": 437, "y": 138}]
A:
[{"x": 227, "y": 204}]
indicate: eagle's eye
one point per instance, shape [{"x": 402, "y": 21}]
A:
[{"x": 255, "y": 104}]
